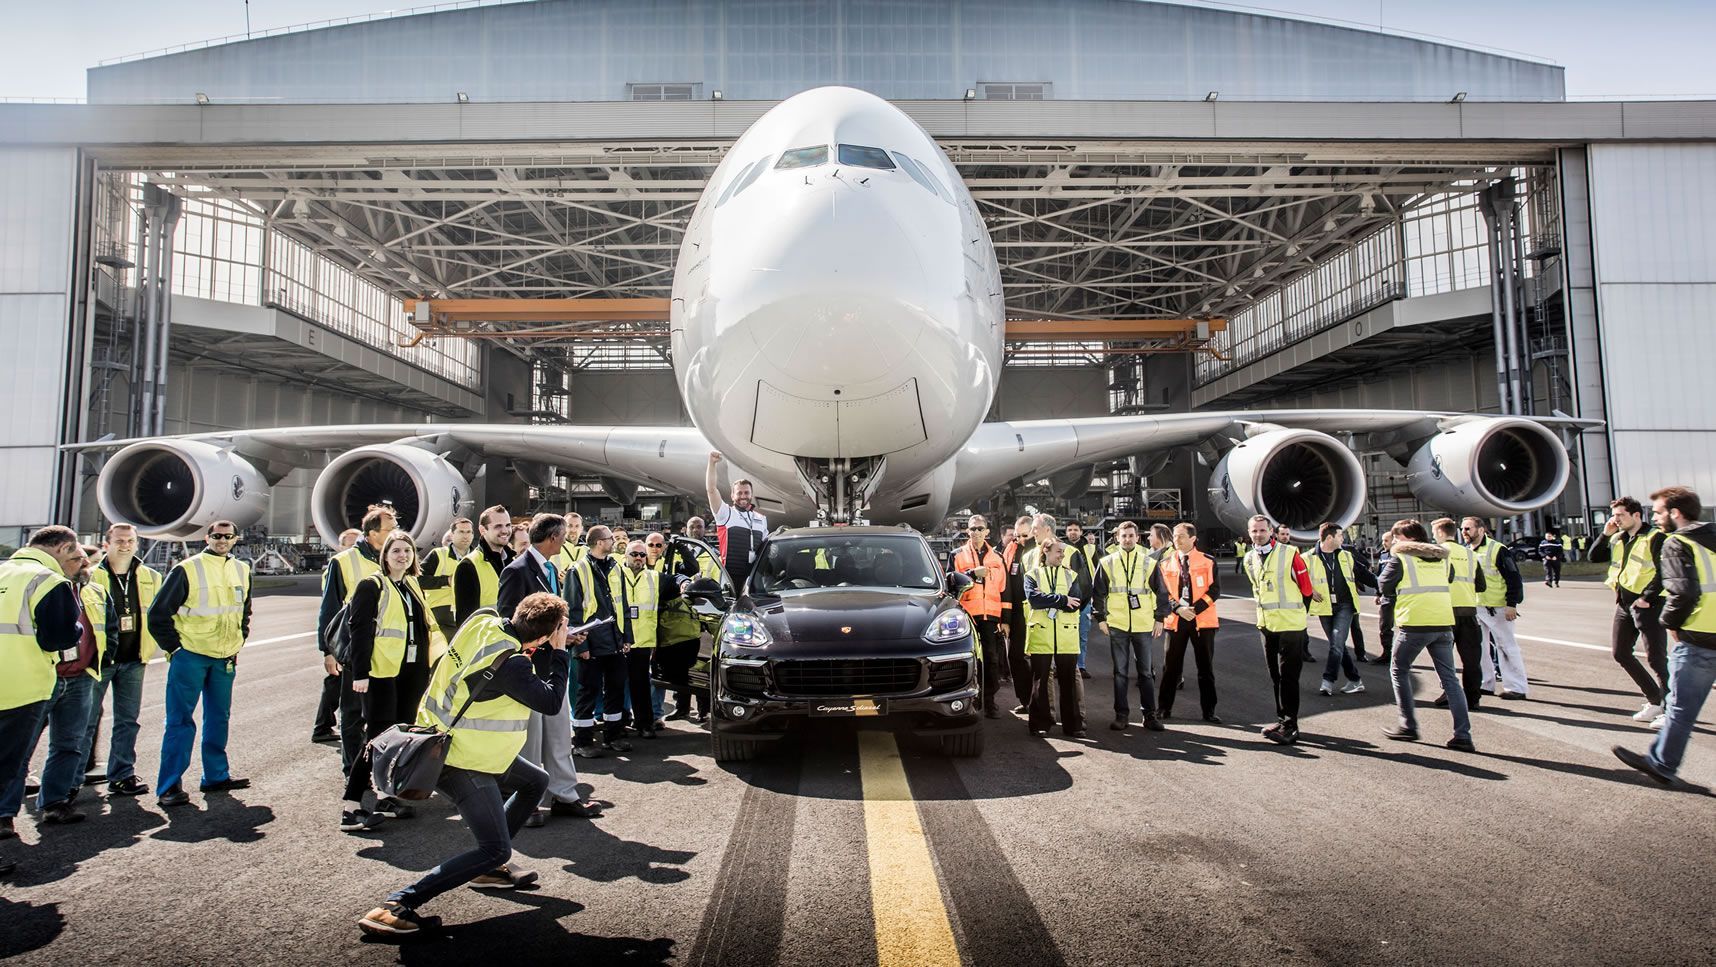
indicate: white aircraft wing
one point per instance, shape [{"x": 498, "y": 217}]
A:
[
  {"x": 667, "y": 458},
  {"x": 1036, "y": 449}
]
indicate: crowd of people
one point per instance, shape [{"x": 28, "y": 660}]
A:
[
  {"x": 1450, "y": 589},
  {"x": 537, "y": 644}
]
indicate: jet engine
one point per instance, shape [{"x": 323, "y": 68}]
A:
[
  {"x": 174, "y": 489},
  {"x": 427, "y": 492},
  {"x": 1300, "y": 478},
  {"x": 1494, "y": 467}
]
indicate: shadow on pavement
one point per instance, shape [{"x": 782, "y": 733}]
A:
[
  {"x": 525, "y": 937},
  {"x": 602, "y": 857},
  {"x": 220, "y": 817},
  {"x": 648, "y": 761},
  {"x": 28, "y": 926},
  {"x": 62, "y": 849}
]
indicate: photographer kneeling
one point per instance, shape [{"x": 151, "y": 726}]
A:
[{"x": 494, "y": 789}]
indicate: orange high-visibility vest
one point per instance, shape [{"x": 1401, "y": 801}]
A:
[
  {"x": 1203, "y": 575},
  {"x": 982, "y": 599}
]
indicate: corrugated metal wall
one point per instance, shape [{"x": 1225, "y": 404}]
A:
[
  {"x": 590, "y": 50},
  {"x": 1653, "y": 223},
  {"x": 37, "y": 211}
]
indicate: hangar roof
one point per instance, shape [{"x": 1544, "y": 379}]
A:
[{"x": 767, "y": 50}]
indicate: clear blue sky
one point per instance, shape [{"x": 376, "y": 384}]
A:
[{"x": 1644, "y": 47}]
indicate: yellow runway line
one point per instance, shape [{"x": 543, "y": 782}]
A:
[{"x": 912, "y": 927}]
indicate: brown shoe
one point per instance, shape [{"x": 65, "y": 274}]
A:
[
  {"x": 391, "y": 919},
  {"x": 505, "y": 878}
]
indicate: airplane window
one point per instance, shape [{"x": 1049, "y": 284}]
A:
[
  {"x": 734, "y": 184},
  {"x": 744, "y": 182},
  {"x": 861, "y": 156},
  {"x": 920, "y": 176},
  {"x": 804, "y": 157},
  {"x": 930, "y": 174}
]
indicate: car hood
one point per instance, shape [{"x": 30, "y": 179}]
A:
[{"x": 841, "y": 617}]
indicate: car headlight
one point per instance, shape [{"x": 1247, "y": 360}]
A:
[
  {"x": 951, "y": 625},
  {"x": 746, "y": 631}
]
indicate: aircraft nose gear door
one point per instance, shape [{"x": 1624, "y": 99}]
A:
[{"x": 841, "y": 486}]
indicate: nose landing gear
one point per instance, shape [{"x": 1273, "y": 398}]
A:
[{"x": 840, "y": 486}]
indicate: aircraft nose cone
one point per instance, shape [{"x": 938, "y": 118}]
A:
[{"x": 835, "y": 292}]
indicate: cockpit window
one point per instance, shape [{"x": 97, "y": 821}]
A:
[
  {"x": 919, "y": 175},
  {"x": 804, "y": 157},
  {"x": 860, "y": 156},
  {"x": 743, "y": 181}
]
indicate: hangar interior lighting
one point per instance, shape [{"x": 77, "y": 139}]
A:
[
  {"x": 1212, "y": 95},
  {"x": 715, "y": 95},
  {"x": 202, "y": 98},
  {"x": 1458, "y": 97},
  {"x": 971, "y": 93},
  {"x": 463, "y": 97}
]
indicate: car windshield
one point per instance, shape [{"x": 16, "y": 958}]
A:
[{"x": 861, "y": 561}]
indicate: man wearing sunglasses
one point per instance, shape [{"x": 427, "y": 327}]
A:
[{"x": 201, "y": 618}]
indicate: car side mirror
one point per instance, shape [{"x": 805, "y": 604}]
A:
[{"x": 958, "y": 581}]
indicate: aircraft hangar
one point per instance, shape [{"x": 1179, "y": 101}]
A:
[{"x": 1192, "y": 208}]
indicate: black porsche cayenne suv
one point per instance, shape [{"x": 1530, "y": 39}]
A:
[{"x": 841, "y": 622}]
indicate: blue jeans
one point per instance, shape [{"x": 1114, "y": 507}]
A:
[
  {"x": 126, "y": 678},
  {"x": 1131, "y": 649},
  {"x": 65, "y": 722},
  {"x": 494, "y": 808},
  {"x": 1691, "y": 674},
  {"x": 1083, "y": 632},
  {"x": 1407, "y": 645},
  {"x": 19, "y": 728},
  {"x": 1337, "y": 627},
  {"x": 191, "y": 676}
]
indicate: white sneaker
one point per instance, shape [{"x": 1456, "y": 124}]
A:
[
  {"x": 1327, "y": 688},
  {"x": 1656, "y": 723},
  {"x": 1647, "y": 713},
  {"x": 1353, "y": 688}
]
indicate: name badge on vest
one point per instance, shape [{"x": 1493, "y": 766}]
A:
[
  {"x": 632, "y": 612},
  {"x": 1015, "y": 568},
  {"x": 411, "y": 653},
  {"x": 127, "y": 622},
  {"x": 1132, "y": 601}
]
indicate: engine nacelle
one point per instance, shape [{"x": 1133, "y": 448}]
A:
[
  {"x": 1300, "y": 478},
  {"x": 1496, "y": 467},
  {"x": 427, "y": 492},
  {"x": 174, "y": 489}
]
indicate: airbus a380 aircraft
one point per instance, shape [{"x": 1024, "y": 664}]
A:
[{"x": 837, "y": 326}]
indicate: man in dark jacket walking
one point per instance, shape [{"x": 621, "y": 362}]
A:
[{"x": 1689, "y": 613}]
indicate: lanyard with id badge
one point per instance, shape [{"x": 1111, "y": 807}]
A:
[{"x": 1132, "y": 602}]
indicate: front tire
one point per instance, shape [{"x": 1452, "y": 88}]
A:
[
  {"x": 728, "y": 749},
  {"x": 968, "y": 745}
]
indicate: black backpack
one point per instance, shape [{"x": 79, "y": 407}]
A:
[{"x": 338, "y": 633}]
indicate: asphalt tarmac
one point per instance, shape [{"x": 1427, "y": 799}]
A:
[{"x": 1202, "y": 844}]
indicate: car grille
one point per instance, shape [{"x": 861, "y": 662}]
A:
[
  {"x": 946, "y": 676},
  {"x": 744, "y": 680},
  {"x": 867, "y": 676}
]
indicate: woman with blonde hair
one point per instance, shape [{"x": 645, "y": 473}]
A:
[{"x": 389, "y": 665}]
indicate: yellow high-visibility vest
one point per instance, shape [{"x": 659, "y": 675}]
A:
[
  {"x": 146, "y": 583},
  {"x": 1280, "y": 606},
  {"x": 1464, "y": 588},
  {"x": 1052, "y": 631},
  {"x": 1423, "y": 599},
  {"x": 492, "y": 732},
  {"x": 1129, "y": 573},
  {"x": 26, "y": 671},
  {"x": 211, "y": 621}
]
